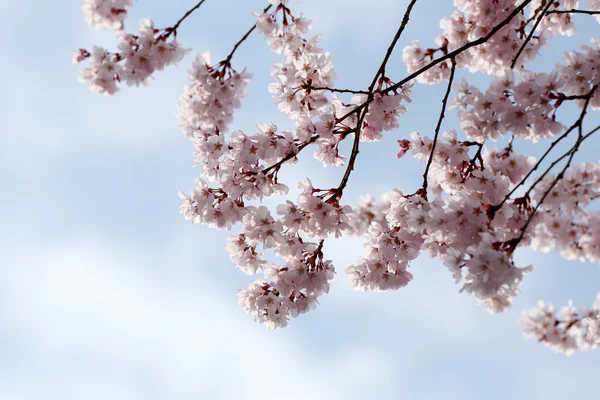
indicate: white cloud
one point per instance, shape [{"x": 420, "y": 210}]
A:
[{"x": 99, "y": 319}]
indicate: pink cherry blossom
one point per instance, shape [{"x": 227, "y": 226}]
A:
[
  {"x": 106, "y": 13},
  {"x": 484, "y": 194}
]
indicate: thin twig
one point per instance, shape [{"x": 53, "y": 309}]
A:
[
  {"x": 439, "y": 124},
  {"x": 227, "y": 61},
  {"x": 355, "y": 150},
  {"x": 445, "y": 57},
  {"x": 433, "y": 63},
  {"x": 531, "y": 32},
  {"x": 573, "y": 11},
  {"x": 579, "y": 125},
  {"x": 534, "y": 16},
  {"x": 461, "y": 49},
  {"x": 390, "y": 50},
  {"x": 477, "y": 156},
  {"x": 290, "y": 156},
  {"x": 336, "y": 90},
  {"x": 570, "y": 153},
  {"x": 173, "y": 30},
  {"x": 596, "y": 129},
  {"x": 576, "y": 124},
  {"x": 380, "y": 74}
]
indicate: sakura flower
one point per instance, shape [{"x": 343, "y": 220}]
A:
[
  {"x": 106, "y": 13},
  {"x": 138, "y": 58}
]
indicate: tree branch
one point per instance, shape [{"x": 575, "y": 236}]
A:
[
  {"x": 290, "y": 156},
  {"x": 445, "y": 57},
  {"x": 335, "y": 90},
  {"x": 380, "y": 74},
  {"x": 227, "y": 61},
  {"x": 474, "y": 159},
  {"x": 173, "y": 30},
  {"x": 531, "y": 32},
  {"x": 461, "y": 49},
  {"x": 574, "y": 11},
  {"x": 439, "y": 124},
  {"x": 390, "y": 50},
  {"x": 570, "y": 153},
  {"x": 579, "y": 125},
  {"x": 576, "y": 124},
  {"x": 355, "y": 148}
]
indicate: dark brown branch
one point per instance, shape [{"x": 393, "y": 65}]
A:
[
  {"x": 461, "y": 49},
  {"x": 570, "y": 153},
  {"x": 227, "y": 61},
  {"x": 380, "y": 74},
  {"x": 596, "y": 129},
  {"x": 388, "y": 54},
  {"x": 536, "y": 166},
  {"x": 290, "y": 156},
  {"x": 439, "y": 124},
  {"x": 453, "y": 54},
  {"x": 445, "y": 57},
  {"x": 574, "y": 97},
  {"x": 476, "y": 157},
  {"x": 576, "y": 124},
  {"x": 318, "y": 253},
  {"x": 173, "y": 29},
  {"x": 536, "y": 13},
  {"x": 573, "y": 11},
  {"x": 355, "y": 150},
  {"x": 579, "y": 125},
  {"x": 335, "y": 90},
  {"x": 531, "y": 32}
]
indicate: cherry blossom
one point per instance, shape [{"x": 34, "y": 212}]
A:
[
  {"x": 484, "y": 196},
  {"x": 211, "y": 97},
  {"x": 566, "y": 330},
  {"x": 594, "y": 5},
  {"x": 139, "y": 56},
  {"x": 106, "y": 13}
]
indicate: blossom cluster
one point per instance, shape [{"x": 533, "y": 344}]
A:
[
  {"x": 594, "y": 5},
  {"x": 136, "y": 60},
  {"x": 106, "y": 13},
  {"x": 461, "y": 225},
  {"x": 474, "y": 19},
  {"x": 528, "y": 108},
  {"x": 568, "y": 225},
  {"x": 557, "y": 23},
  {"x": 472, "y": 211},
  {"x": 292, "y": 289},
  {"x": 211, "y": 97},
  {"x": 238, "y": 168},
  {"x": 566, "y": 330},
  {"x": 388, "y": 248}
]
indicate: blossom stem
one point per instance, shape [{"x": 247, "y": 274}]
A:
[
  {"x": 445, "y": 57},
  {"x": 439, "y": 124},
  {"x": 574, "y": 11},
  {"x": 185, "y": 16},
  {"x": 476, "y": 157},
  {"x": 227, "y": 61},
  {"x": 577, "y": 124},
  {"x": 291, "y": 155},
  {"x": 570, "y": 154},
  {"x": 380, "y": 74},
  {"x": 328, "y": 89},
  {"x": 531, "y": 32}
]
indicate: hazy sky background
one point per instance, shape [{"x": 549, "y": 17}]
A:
[{"x": 107, "y": 293}]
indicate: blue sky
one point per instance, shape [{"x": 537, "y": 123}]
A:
[{"x": 106, "y": 292}]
